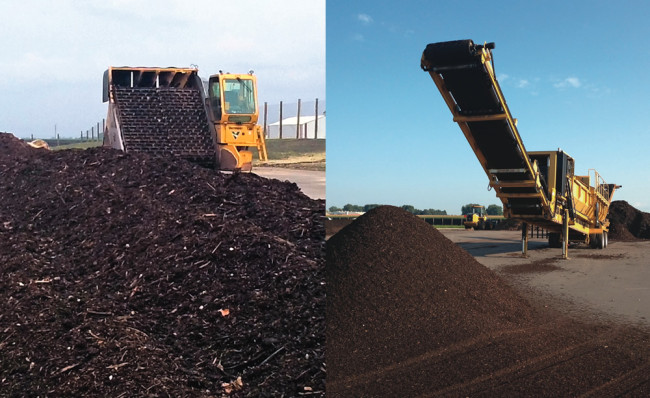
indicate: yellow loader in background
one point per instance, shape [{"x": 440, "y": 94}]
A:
[{"x": 477, "y": 219}]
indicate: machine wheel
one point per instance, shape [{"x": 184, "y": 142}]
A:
[
  {"x": 555, "y": 240},
  {"x": 481, "y": 225},
  {"x": 597, "y": 241}
]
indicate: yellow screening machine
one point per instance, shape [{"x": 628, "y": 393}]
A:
[
  {"x": 538, "y": 188},
  {"x": 165, "y": 112}
]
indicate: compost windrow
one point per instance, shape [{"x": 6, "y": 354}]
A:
[{"x": 128, "y": 274}]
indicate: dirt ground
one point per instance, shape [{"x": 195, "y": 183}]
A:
[
  {"x": 315, "y": 162},
  {"x": 610, "y": 283}
]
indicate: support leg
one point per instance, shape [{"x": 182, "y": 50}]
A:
[
  {"x": 565, "y": 235},
  {"x": 524, "y": 239}
]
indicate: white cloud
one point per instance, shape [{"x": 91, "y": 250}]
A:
[
  {"x": 65, "y": 46},
  {"x": 502, "y": 77},
  {"x": 523, "y": 83},
  {"x": 358, "y": 37},
  {"x": 568, "y": 82},
  {"x": 365, "y": 18}
]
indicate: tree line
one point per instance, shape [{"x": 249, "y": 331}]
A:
[
  {"x": 411, "y": 209},
  {"x": 492, "y": 210}
]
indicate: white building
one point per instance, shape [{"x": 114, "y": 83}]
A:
[{"x": 307, "y": 128}]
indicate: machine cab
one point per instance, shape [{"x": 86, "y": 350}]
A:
[
  {"x": 233, "y": 98},
  {"x": 478, "y": 210}
]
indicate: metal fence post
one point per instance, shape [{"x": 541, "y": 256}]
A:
[
  {"x": 298, "y": 120},
  {"x": 280, "y": 120},
  {"x": 316, "y": 120},
  {"x": 266, "y": 131}
]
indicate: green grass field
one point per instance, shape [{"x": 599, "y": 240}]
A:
[
  {"x": 290, "y": 148},
  {"x": 276, "y": 149},
  {"x": 76, "y": 145}
]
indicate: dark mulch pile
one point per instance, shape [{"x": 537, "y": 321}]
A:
[
  {"x": 411, "y": 314},
  {"x": 508, "y": 224},
  {"x": 126, "y": 275},
  {"x": 627, "y": 222}
]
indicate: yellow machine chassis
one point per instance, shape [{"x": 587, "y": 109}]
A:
[{"x": 577, "y": 210}]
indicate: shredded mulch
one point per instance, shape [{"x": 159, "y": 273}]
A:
[
  {"x": 627, "y": 222},
  {"x": 128, "y": 275},
  {"x": 409, "y": 313}
]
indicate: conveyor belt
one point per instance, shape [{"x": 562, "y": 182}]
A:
[{"x": 465, "y": 78}]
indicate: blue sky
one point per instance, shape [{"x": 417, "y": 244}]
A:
[
  {"x": 54, "y": 53},
  {"x": 575, "y": 75}
]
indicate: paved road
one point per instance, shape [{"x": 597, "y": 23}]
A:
[
  {"x": 312, "y": 183},
  {"x": 615, "y": 282}
]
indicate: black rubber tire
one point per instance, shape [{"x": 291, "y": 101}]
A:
[{"x": 596, "y": 241}]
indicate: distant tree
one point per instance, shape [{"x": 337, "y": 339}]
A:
[
  {"x": 409, "y": 208},
  {"x": 494, "y": 210},
  {"x": 352, "y": 208},
  {"x": 432, "y": 212},
  {"x": 334, "y": 209},
  {"x": 370, "y": 207},
  {"x": 468, "y": 208}
]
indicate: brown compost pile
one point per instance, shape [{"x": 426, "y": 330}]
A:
[
  {"x": 627, "y": 222},
  {"x": 409, "y": 313},
  {"x": 127, "y": 275}
]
